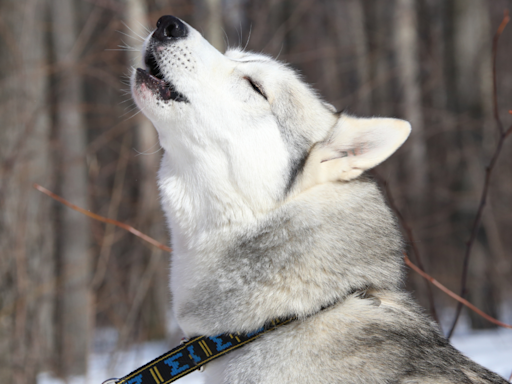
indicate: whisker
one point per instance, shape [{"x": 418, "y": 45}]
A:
[
  {"x": 122, "y": 50},
  {"x": 146, "y": 153},
  {"x": 145, "y": 28},
  {"x": 226, "y": 39},
  {"x": 281, "y": 50},
  {"x": 131, "y": 30},
  {"x": 248, "y": 37},
  {"x": 132, "y": 116}
]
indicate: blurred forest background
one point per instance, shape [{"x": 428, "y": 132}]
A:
[{"x": 68, "y": 123}]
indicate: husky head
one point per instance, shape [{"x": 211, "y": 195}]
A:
[{"x": 242, "y": 131}]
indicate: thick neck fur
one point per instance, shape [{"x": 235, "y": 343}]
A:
[
  {"x": 200, "y": 199},
  {"x": 270, "y": 216},
  {"x": 291, "y": 260},
  {"x": 207, "y": 186}
]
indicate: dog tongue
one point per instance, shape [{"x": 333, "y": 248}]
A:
[
  {"x": 164, "y": 89},
  {"x": 165, "y": 92},
  {"x": 155, "y": 84}
]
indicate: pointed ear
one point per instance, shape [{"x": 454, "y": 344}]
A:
[{"x": 353, "y": 146}]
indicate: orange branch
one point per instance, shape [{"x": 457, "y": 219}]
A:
[
  {"x": 461, "y": 300},
  {"x": 94, "y": 216},
  {"x": 166, "y": 248},
  {"x": 504, "y": 22},
  {"x": 488, "y": 172}
]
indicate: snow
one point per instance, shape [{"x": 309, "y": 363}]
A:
[
  {"x": 490, "y": 348},
  {"x": 104, "y": 363}
]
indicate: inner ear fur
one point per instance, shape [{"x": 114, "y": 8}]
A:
[{"x": 353, "y": 146}]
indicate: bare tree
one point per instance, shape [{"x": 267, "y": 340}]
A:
[
  {"x": 359, "y": 38},
  {"x": 74, "y": 306},
  {"x": 211, "y": 18},
  {"x": 377, "y": 16},
  {"x": 474, "y": 102},
  {"x": 406, "y": 47},
  {"x": 428, "y": 61},
  {"x": 406, "y": 38},
  {"x": 26, "y": 232},
  {"x": 148, "y": 209}
]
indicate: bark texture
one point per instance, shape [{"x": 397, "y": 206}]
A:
[
  {"x": 150, "y": 219},
  {"x": 74, "y": 310},
  {"x": 26, "y": 231},
  {"x": 408, "y": 68}
]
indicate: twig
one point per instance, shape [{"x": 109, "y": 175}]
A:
[
  {"x": 165, "y": 248},
  {"x": 94, "y": 216},
  {"x": 115, "y": 201},
  {"x": 141, "y": 292},
  {"x": 412, "y": 241},
  {"x": 461, "y": 300},
  {"x": 488, "y": 172},
  {"x": 503, "y": 24}
]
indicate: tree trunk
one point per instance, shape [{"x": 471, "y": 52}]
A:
[
  {"x": 213, "y": 31},
  {"x": 360, "y": 42},
  {"x": 406, "y": 38},
  {"x": 474, "y": 101},
  {"x": 154, "y": 310},
  {"x": 379, "y": 14},
  {"x": 74, "y": 313},
  {"x": 406, "y": 46},
  {"x": 26, "y": 230}
]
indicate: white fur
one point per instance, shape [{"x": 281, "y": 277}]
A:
[
  {"x": 225, "y": 158},
  {"x": 268, "y": 219}
]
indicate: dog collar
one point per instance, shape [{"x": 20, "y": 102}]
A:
[{"x": 192, "y": 355}]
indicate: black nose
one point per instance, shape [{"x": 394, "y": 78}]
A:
[{"x": 168, "y": 28}]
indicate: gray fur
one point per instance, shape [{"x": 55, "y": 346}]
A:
[
  {"x": 388, "y": 343},
  {"x": 350, "y": 242},
  {"x": 265, "y": 230},
  {"x": 380, "y": 337}
]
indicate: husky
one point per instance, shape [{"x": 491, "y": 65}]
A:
[{"x": 271, "y": 217}]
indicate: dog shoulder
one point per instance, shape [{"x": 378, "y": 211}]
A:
[{"x": 370, "y": 337}]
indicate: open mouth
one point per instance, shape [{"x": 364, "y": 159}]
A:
[{"x": 154, "y": 80}]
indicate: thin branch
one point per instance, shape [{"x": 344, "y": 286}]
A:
[
  {"x": 407, "y": 228},
  {"x": 488, "y": 172},
  {"x": 94, "y": 216},
  {"x": 165, "y": 248},
  {"x": 461, "y": 300},
  {"x": 502, "y": 26},
  {"x": 140, "y": 294},
  {"x": 115, "y": 201}
]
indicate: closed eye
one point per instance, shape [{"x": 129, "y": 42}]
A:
[{"x": 256, "y": 86}]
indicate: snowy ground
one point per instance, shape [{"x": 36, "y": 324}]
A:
[
  {"x": 492, "y": 349},
  {"x": 105, "y": 364}
]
